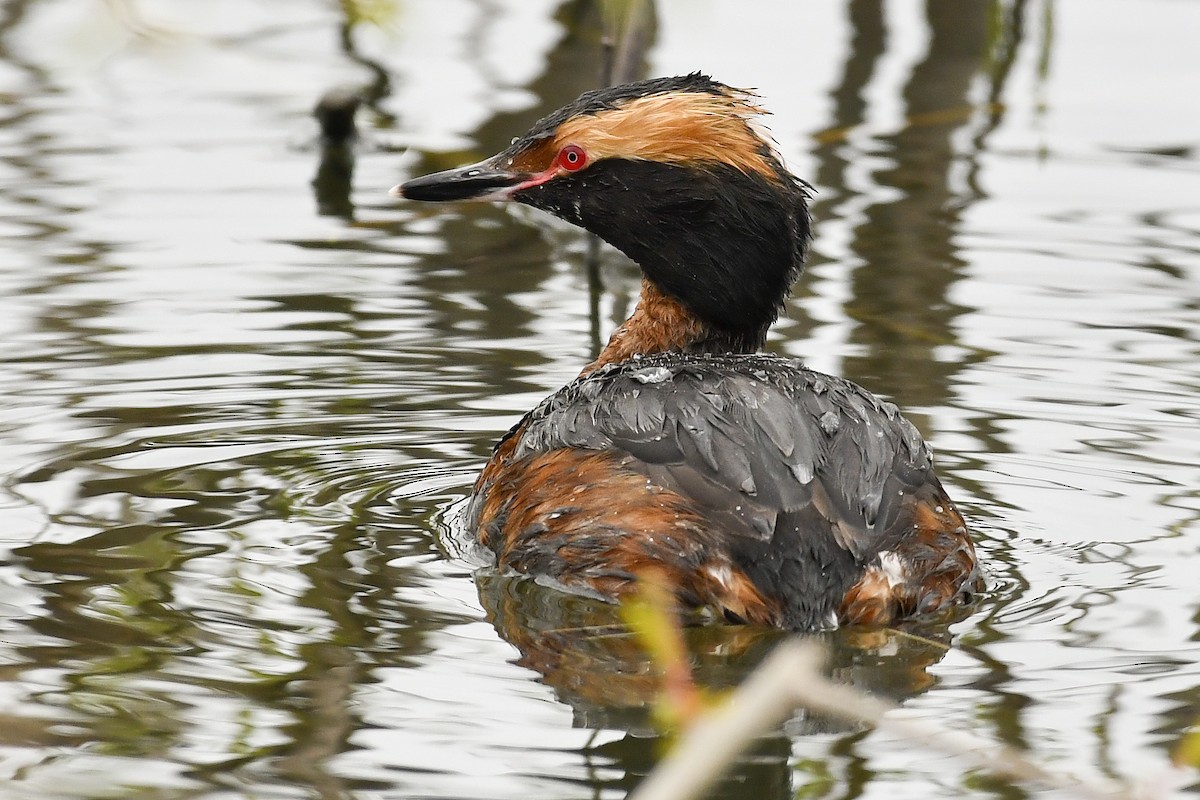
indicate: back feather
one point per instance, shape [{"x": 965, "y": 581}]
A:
[{"x": 807, "y": 472}]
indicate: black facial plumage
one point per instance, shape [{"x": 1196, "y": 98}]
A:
[{"x": 725, "y": 243}]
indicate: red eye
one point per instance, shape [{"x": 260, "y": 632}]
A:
[{"x": 572, "y": 158}]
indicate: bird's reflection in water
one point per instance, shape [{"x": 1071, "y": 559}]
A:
[
  {"x": 583, "y": 651},
  {"x": 580, "y": 648}
]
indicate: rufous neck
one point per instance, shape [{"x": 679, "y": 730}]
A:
[{"x": 659, "y": 324}]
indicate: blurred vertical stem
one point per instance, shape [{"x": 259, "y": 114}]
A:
[
  {"x": 653, "y": 616},
  {"x": 379, "y": 13},
  {"x": 629, "y": 29},
  {"x": 628, "y": 32}
]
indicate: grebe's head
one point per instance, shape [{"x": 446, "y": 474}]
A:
[{"x": 675, "y": 173}]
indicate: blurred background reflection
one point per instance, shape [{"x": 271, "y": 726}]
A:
[{"x": 245, "y": 392}]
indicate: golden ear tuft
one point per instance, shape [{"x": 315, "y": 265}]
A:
[{"x": 678, "y": 128}]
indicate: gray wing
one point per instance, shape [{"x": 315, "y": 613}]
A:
[
  {"x": 762, "y": 430},
  {"x": 801, "y": 468}
]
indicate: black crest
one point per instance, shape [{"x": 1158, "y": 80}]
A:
[{"x": 612, "y": 97}]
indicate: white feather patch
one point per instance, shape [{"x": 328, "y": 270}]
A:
[{"x": 892, "y": 567}]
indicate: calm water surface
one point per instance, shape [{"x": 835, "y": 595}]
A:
[{"x": 244, "y": 392}]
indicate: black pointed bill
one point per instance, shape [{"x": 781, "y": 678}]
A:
[{"x": 491, "y": 179}]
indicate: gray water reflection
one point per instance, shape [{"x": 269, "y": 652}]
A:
[{"x": 238, "y": 415}]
